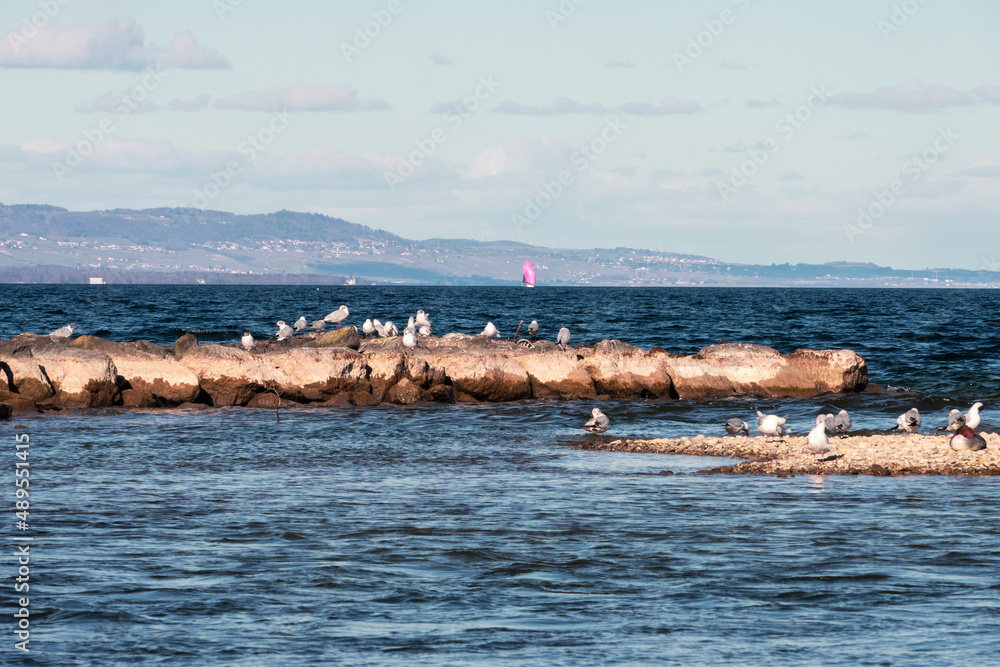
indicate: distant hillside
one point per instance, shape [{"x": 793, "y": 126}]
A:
[{"x": 49, "y": 244}]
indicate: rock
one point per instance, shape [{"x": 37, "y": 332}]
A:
[
  {"x": 489, "y": 375},
  {"x": 137, "y": 398},
  {"x": 834, "y": 371},
  {"x": 440, "y": 393},
  {"x": 268, "y": 400},
  {"x": 362, "y": 399},
  {"x": 185, "y": 344},
  {"x": 555, "y": 374},
  {"x": 23, "y": 374},
  {"x": 232, "y": 376},
  {"x": 148, "y": 368},
  {"x": 17, "y": 402},
  {"x": 6, "y": 410},
  {"x": 339, "y": 400},
  {"x": 346, "y": 337},
  {"x": 623, "y": 371},
  {"x": 422, "y": 373},
  {"x": 318, "y": 373},
  {"x": 405, "y": 392},
  {"x": 80, "y": 378},
  {"x": 879, "y": 471},
  {"x": 385, "y": 369}
]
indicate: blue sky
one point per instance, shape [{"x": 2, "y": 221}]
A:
[{"x": 746, "y": 130}]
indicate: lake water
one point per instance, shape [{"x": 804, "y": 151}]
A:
[{"x": 458, "y": 534}]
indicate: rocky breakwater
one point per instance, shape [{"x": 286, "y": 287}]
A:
[{"x": 339, "y": 368}]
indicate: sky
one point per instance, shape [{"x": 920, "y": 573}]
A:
[{"x": 752, "y": 131}]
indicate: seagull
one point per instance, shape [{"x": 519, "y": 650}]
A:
[
  {"x": 955, "y": 421},
  {"x": 563, "y": 338},
  {"x": 379, "y": 329},
  {"x": 598, "y": 424},
  {"x": 284, "y": 331},
  {"x": 410, "y": 326},
  {"x": 533, "y": 329},
  {"x": 737, "y": 425},
  {"x": 368, "y": 328},
  {"x": 409, "y": 341},
  {"x": 972, "y": 417},
  {"x": 490, "y": 330},
  {"x": 771, "y": 424},
  {"x": 424, "y": 331},
  {"x": 829, "y": 423},
  {"x": 967, "y": 440},
  {"x": 247, "y": 340},
  {"x": 909, "y": 421},
  {"x": 422, "y": 319},
  {"x": 318, "y": 325},
  {"x": 64, "y": 332},
  {"x": 338, "y": 316},
  {"x": 817, "y": 442},
  {"x": 301, "y": 324},
  {"x": 842, "y": 422},
  {"x": 390, "y": 329}
]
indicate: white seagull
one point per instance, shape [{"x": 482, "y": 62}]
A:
[
  {"x": 284, "y": 331},
  {"x": 379, "y": 329},
  {"x": 909, "y": 421},
  {"x": 422, "y": 319},
  {"x": 533, "y": 329},
  {"x": 247, "y": 340},
  {"x": 843, "y": 422},
  {"x": 490, "y": 330},
  {"x": 736, "y": 425},
  {"x": 771, "y": 425},
  {"x": 424, "y": 331},
  {"x": 64, "y": 332},
  {"x": 817, "y": 441},
  {"x": 409, "y": 341},
  {"x": 338, "y": 316},
  {"x": 390, "y": 329},
  {"x": 368, "y": 328},
  {"x": 301, "y": 324},
  {"x": 563, "y": 338},
  {"x": 598, "y": 425},
  {"x": 319, "y": 326}
]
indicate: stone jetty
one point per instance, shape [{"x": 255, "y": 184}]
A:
[
  {"x": 341, "y": 368},
  {"x": 881, "y": 455}
]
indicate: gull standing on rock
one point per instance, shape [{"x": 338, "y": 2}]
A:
[
  {"x": 422, "y": 319},
  {"x": 368, "y": 328},
  {"x": 737, "y": 425},
  {"x": 424, "y": 331},
  {"x": 284, "y": 331},
  {"x": 817, "y": 442},
  {"x": 967, "y": 440},
  {"x": 379, "y": 329},
  {"x": 533, "y": 329},
  {"x": 319, "y": 326},
  {"x": 390, "y": 329},
  {"x": 338, "y": 316},
  {"x": 247, "y": 340},
  {"x": 301, "y": 324},
  {"x": 771, "y": 425},
  {"x": 563, "y": 338},
  {"x": 64, "y": 332},
  {"x": 909, "y": 421},
  {"x": 411, "y": 326},
  {"x": 490, "y": 330},
  {"x": 598, "y": 425},
  {"x": 409, "y": 341},
  {"x": 842, "y": 421}
]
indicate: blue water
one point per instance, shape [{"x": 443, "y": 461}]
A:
[{"x": 457, "y": 534}]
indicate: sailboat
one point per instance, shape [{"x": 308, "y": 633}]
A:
[{"x": 529, "y": 274}]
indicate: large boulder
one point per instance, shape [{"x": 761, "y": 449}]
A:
[
  {"x": 556, "y": 374},
  {"x": 23, "y": 374},
  {"x": 319, "y": 373},
  {"x": 758, "y": 370},
  {"x": 623, "y": 371},
  {"x": 344, "y": 337},
  {"x": 489, "y": 374},
  {"x": 230, "y": 375},
  {"x": 832, "y": 370},
  {"x": 694, "y": 379},
  {"x": 385, "y": 369},
  {"x": 80, "y": 378},
  {"x": 147, "y": 368}
]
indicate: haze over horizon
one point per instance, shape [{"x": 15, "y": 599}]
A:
[{"x": 744, "y": 131}]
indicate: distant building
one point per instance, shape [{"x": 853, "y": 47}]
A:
[{"x": 97, "y": 281}]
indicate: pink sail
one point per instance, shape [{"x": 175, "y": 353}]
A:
[{"x": 529, "y": 273}]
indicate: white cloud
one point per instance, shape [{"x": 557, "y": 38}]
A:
[
  {"x": 669, "y": 106},
  {"x": 184, "y": 52},
  {"x": 908, "y": 96},
  {"x": 302, "y": 97},
  {"x": 561, "y": 106}
]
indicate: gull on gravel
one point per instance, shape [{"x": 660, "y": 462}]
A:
[
  {"x": 598, "y": 425},
  {"x": 956, "y": 420},
  {"x": 301, "y": 324},
  {"x": 64, "y": 332},
  {"x": 842, "y": 421},
  {"x": 563, "y": 338},
  {"x": 490, "y": 330},
  {"x": 284, "y": 331},
  {"x": 909, "y": 421},
  {"x": 829, "y": 423},
  {"x": 736, "y": 425},
  {"x": 967, "y": 440},
  {"x": 337, "y": 316},
  {"x": 771, "y": 425},
  {"x": 818, "y": 443},
  {"x": 247, "y": 340}
]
